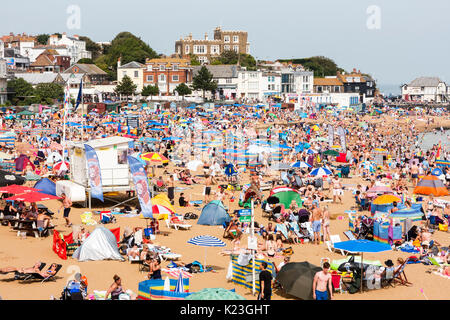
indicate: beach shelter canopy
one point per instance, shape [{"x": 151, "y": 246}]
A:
[
  {"x": 206, "y": 241},
  {"x": 215, "y": 294},
  {"x": 431, "y": 185},
  {"x": 386, "y": 199},
  {"x": 100, "y": 245},
  {"x": 154, "y": 157},
  {"x": 16, "y": 189},
  {"x": 331, "y": 152},
  {"x": 8, "y": 178},
  {"x": 213, "y": 214},
  {"x": 296, "y": 278},
  {"x": 46, "y": 186},
  {"x": 286, "y": 195},
  {"x": 163, "y": 200}
]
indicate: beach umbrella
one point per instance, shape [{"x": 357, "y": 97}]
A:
[
  {"x": 180, "y": 286},
  {"x": 230, "y": 170},
  {"x": 194, "y": 164},
  {"x": 57, "y": 166},
  {"x": 154, "y": 157},
  {"x": 386, "y": 199},
  {"x": 286, "y": 195},
  {"x": 380, "y": 190},
  {"x": 331, "y": 152},
  {"x": 8, "y": 178},
  {"x": 215, "y": 294},
  {"x": 300, "y": 164},
  {"x": 32, "y": 197},
  {"x": 436, "y": 172},
  {"x": 160, "y": 209},
  {"x": 362, "y": 246},
  {"x": 320, "y": 172},
  {"x": 206, "y": 241},
  {"x": 431, "y": 185},
  {"x": 310, "y": 151},
  {"x": 16, "y": 189},
  {"x": 297, "y": 278}
]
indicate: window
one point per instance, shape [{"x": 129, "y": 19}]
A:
[
  {"x": 268, "y": 87},
  {"x": 175, "y": 78},
  {"x": 228, "y": 80},
  {"x": 122, "y": 156},
  {"x": 124, "y": 74},
  {"x": 226, "y": 39},
  {"x": 175, "y": 67},
  {"x": 356, "y": 79},
  {"x": 305, "y": 79},
  {"x": 162, "y": 78},
  {"x": 215, "y": 49},
  {"x": 337, "y": 89},
  {"x": 247, "y": 49},
  {"x": 356, "y": 88},
  {"x": 199, "y": 49},
  {"x": 226, "y": 48},
  {"x": 149, "y": 67},
  {"x": 186, "y": 49},
  {"x": 203, "y": 59},
  {"x": 236, "y": 39},
  {"x": 136, "y": 74},
  {"x": 149, "y": 78},
  {"x": 236, "y": 48},
  {"x": 349, "y": 79},
  {"x": 319, "y": 89},
  {"x": 162, "y": 67}
]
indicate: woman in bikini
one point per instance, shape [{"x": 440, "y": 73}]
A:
[{"x": 115, "y": 289}]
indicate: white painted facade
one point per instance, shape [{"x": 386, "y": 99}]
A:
[
  {"x": 76, "y": 47},
  {"x": 426, "y": 89}
]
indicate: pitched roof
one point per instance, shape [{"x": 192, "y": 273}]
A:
[
  {"x": 132, "y": 65},
  {"x": 327, "y": 82},
  {"x": 90, "y": 69},
  {"x": 219, "y": 71},
  {"x": 182, "y": 63},
  {"x": 43, "y": 60},
  {"x": 37, "y": 78},
  {"x": 425, "y": 82},
  {"x": 343, "y": 77}
]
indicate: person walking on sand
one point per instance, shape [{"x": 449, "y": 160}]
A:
[
  {"x": 171, "y": 189},
  {"x": 320, "y": 282},
  {"x": 66, "y": 204},
  {"x": 316, "y": 217}
]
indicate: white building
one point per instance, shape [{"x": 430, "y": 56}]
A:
[
  {"x": 3, "y": 81},
  {"x": 250, "y": 85},
  {"x": 227, "y": 80},
  {"x": 76, "y": 47},
  {"x": 134, "y": 70},
  {"x": 35, "y": 52},
  {"x": 426, "y": 89},
  {"x": 350, "y": 99},
  {"x": 271, "y": 84}
]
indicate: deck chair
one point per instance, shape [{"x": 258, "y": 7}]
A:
[
  {"x": 330, "y": 244},
  {"x": 389, "y": 276},
  {"x": 21, "y": 276},
  {"x": 283, "y": 229},
  {"x": 349, "y": 235},
  {"x": 284, "y": 178},
  {"x": 39, "y": 277},
  {"x": 295, "y": 228},
  {"x": 400, "y": 275}
]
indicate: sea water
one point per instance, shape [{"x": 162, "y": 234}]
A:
[{"x": 428, "y": 139}]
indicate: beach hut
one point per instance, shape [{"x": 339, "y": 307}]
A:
[
  {"x": 100, "y": 245},
  {"x": 213, "y": 214}
]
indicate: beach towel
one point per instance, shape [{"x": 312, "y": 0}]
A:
[
  {"x": 283, "y": 229},
  {"x": 175, "y": 272}
]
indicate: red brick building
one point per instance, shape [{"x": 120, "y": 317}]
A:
[{"x": 167, "y": 73}]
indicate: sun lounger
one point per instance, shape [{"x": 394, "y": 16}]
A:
[
  {"x": 39, "y": 277},
  {"x": 177, "y": 224},
  {"x": 330, "y": 244}
]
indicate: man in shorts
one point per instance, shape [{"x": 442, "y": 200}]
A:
[
  {"x": 320, "y": 282},
  {"x": 66, "y": 204},
  {"x": 316, "y": 224},
  {"x": 337, "y": 189}
]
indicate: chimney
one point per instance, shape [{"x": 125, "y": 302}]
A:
[
  {"x": 354, "y": 70},
  {"x": 206, "y": 36},
  {"x": 359, "y": 71},
  {"x": 190, "y": 36},
  {"x": 119, "y": 62},
  {"x": 76, "y": 36}
]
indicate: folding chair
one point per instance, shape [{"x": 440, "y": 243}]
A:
[{"x": 400, "y": 275}]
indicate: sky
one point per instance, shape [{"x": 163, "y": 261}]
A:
[{"x": 405, "y": 39}]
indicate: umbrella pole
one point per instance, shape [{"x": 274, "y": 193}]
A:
[
  {"x": 204, "y": 265},
  {"x": 362, "y": 270}
]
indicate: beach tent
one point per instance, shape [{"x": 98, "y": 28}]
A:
[
  {"x": 46, "y": 186},
  {"x": 100, "y": 245},
  {"x": 54, "y": 157},
  {"x": 213, "y": 214},
  {"x": 431, "y": 185},
  {"x": 286, "y": 195}
]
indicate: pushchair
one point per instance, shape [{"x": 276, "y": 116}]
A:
[{"x": 365, "y": 229}]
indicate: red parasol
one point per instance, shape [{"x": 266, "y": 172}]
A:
[
  {"x": 33, "y": 197},
  {"x": 16, "y": 189},
  {"x": 57, "y": 166}
]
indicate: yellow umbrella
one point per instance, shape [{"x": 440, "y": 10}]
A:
[
  {"x": 154, "y": 157},
  {"x": 380, "y": 149},
  {"x": 162, "y": 200},
  {"x": 336, "y": 147},
  {"x": 315, "y": 127},
  {"x": 386, "y": 198}
]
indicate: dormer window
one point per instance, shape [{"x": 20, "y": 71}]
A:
[{"x": 162, "y": 67}]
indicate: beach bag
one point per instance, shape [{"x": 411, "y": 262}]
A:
[{"x": 288, "y": 251}]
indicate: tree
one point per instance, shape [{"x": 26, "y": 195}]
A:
[
  {"x": 48, "y": 92},
  {"x": 194, "y": 60},
  {"x": 126, "y": 87},
  {"x": 322, "y": 66},
  {"x": 20, "y": 91},
  {"x": 232, "y": 57},
  {"x": 91, "y": 46},
  {"x": 183, "y": 89},
  {"x": 150, "y": 91},
  {"x": 42, "y": 38},
  {"x": 85, "y": 61},
  {"x": 204, "y": 81}
]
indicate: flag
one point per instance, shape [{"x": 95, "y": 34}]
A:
[
  {"x": 341, "y": 133},
  {"x": 438, "y": 153},
  {"x": 330, "y": 135},
  {"x": 141, "y": 184},
  {"x": 94, "y": 172},
  {"x": 80, "y": 95}
]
